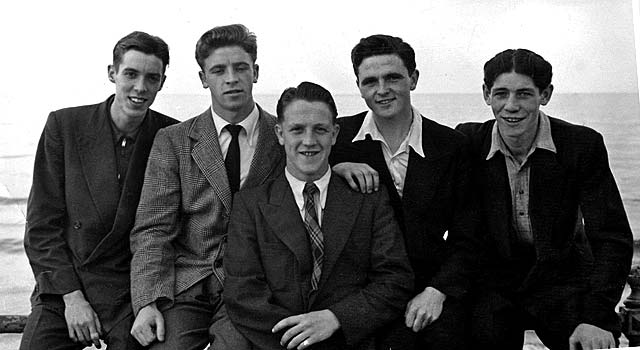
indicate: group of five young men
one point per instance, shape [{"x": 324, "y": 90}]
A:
[{"x": 383, "y": 230}]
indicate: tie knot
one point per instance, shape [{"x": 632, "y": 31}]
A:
[
  {"x": 234, "y": 129},
  {"x": 310, "y": 188}
]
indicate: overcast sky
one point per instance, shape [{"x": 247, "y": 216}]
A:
[{"x": 56, "y": 52}]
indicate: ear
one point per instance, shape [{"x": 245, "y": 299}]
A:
[
  {"x": 414, "y": 79},
  {"x": 256, "y": 70},
  {"x": 278, "y": 130},
  {"x": 111, "y": 73},
  {"x": 545, "y": 95},
  {"x": 486, "y": 93},
  {"x": 336, "y": 131},
  {"x": 203, "y": 80},
  {"x": 164, "y": 78}
]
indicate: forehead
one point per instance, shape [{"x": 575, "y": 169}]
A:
[
  {"x": 228, "y": 55},
  {"x": 513, "y": 81},
  {"x": 381, "y": 65},
  {"x": 305, "y": 112},
  {"x": 140, "y": 61}
]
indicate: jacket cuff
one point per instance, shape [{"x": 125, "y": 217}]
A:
[{"x": 58, "y": 282}]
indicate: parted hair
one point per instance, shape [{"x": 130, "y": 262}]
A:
[
  {"x": 309, "y": 92},
  {"x": 223, "y": 36},
  {"x": 521, "y": 61},
  {"x": 143, "y": 42},
  {"x": 381, "y": 44}
]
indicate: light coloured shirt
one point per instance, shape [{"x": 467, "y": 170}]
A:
[
  {"x": 247, "y": 139},
  {"x": 320, "y": 198},
  {"x": 397, "y": 162},
  {"x": 519, "y": 174}
]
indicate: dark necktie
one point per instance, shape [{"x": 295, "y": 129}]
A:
[
  {"x": 232, "y": 161},
  {"x": 313, "y": 229}
]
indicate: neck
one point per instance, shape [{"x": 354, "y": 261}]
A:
[
  {"x": 520, "y": 145},
  {"x": 394, "y": 130},
  {"x": 124, "y": 123},
  {"x": 234, "y": 116}
]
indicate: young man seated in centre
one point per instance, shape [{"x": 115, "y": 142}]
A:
[{"x": 310, "y": 262}]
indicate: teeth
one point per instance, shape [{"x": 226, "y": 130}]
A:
[
  {"x": 136, "y": 99},
  {"x": 512, "y": 120}
]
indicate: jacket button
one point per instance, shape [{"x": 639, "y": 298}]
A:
[
  {"x": 217, "y": 264},
  {"x": 77, "y": 225}
]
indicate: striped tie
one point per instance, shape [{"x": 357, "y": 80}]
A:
[{"x": 313, "y": 229}]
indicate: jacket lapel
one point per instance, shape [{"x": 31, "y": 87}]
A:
[
  {"x": 268, "y": 153},
  {"x": 125, "y": 214},
  {"x": 207, "y": 155},
  {"x": 546, "y": 188},
  {"x": 424, "y": 173},
  {"x": 282, "y": 215},
  {"x": 97, "y": 155},
  {"x": 497, "y": 203},
  {"x": 337, "y": 222}
]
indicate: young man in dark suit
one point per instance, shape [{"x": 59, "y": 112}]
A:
[
  {"x": 557, "y": 240},
  {"x": 424, "y": 166},
  {"x": 87, "y": 178},
  {"x": 310, "y": 262},
  {"x": 195, "y": 167}
]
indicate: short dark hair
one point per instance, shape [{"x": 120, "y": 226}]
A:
[
  {"x": 521, "y": 61},
  {"x": 143, "y": 42},
  {"x": 309, "y": 92},
  {"x": 223, "y": 36},
  {"x": 381, "y": 44}
]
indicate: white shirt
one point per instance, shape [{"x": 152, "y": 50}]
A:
[
  {"x": 297, "y": 186},
  {"x": 248, "y": 138},
  {"x": 397, "y": 162}
]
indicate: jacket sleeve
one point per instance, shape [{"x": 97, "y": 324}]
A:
[
  {"x": 390, "y": 279},
  {"x": 153, "y": 263},
  {"x": 247, "y": 295},
  {"x": 44, "y": 240},
  {"x": 609, "y": 235}
]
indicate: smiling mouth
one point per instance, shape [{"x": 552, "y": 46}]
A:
[
  {"x": 385, "y": 101},
  {"x": 137, "y": 100},
  {"x": 309, "y": 153},
  {"x": 512, "y": 120}
]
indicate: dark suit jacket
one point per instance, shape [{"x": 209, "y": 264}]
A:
[
  {"x": 366, "y": 279},
  {"x": 179, "y": 236},
  {"x": 78, "y": 222},
  {"x": 435, "y": 201},
  {"x": 582, "y": 239}
]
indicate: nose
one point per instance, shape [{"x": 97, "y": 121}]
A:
[
  {"x": 512, "y": 103},
  {"x": 231, "y": 76},
  {"x": 309, "y": 138},
  {"x": 140, "y": 85},
  {"x": 382, "y": 88}
]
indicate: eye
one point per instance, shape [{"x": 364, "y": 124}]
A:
[
  {"x": 295, "y": 130},
  {"x": 130, "y": 74},
  {"x": 524, "y": 94},
  {"x": 394, "y": 77},
  {"x": 500, "y": 94},
  {"x": 368, "y": 82}
]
